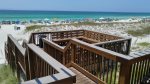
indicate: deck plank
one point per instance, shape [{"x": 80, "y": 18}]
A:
[{"x": 80, "y": 78}]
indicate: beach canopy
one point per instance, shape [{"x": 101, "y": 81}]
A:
[
  {"x": 46, "y": 19},
  {"x": 101, "y": 18}
]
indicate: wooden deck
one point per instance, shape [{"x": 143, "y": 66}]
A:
[
  {"x": 106, "y": 61},
  {"x": 80, "y": 78}
]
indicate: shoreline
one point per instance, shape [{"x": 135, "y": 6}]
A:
[{"x": 53, "y": 21}]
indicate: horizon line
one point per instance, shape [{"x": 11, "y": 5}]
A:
[{"x": 71, "y": 11}]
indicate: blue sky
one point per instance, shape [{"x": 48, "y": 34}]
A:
[{"x": 78, "y": 5}]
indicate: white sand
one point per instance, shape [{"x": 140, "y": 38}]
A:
[
  {"x": 9, "y": 29},
  {"x": 141, "y": 39},
  {"x": 115, "y": 29}
]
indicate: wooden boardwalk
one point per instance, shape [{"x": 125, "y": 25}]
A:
[
  {"x": 80, "y": 78},
  {"x": 100, "y": 57}
]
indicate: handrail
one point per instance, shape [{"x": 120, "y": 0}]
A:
[
  {"x": 63, "y": 72},
  {"x": 119, "y": 40},
  {"x": 51, "y": 61},
  {"x": 139, "y": 66},
  {"x": 58, "y": 74},
  {"x": 118, "y": 37},
  {"x": 121, "y": 45},
  {"x": 22, "y": 50},
  {"x": 94, "y": 48},
  {"x": 55, "y": 78},
  {"x": 56, "y": 31},
  {"x": 108, "y": 53},
  {"x": 123, "y": 59},
  {"x": 117, "y": 57},
  {"x": 16, "y": 55},
  {"x": 68, "y": 31},
  {"x": 86, "y": 52},
  {"x": 64, "y": 34},
  {"x": 105, "y": 52},
  {"x": 60, "y": 48},
  {"x": 139, "y": 55}
]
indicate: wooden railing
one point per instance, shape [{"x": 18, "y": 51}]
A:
[
  {"x": 61, "y": 54},
  {"x": 54, "y": 50},
  {"x": 97, "y": 59},
  {"x": 100, "y": 64},
  {"x": 95, "y": 36},
  {"x": 67, "y": 34},
  {"x": 34, "y": 38},
  {"x": 37, "y": 66},
  {"x": 15, "y": 52},
  {"x": 102, "y": 58},
  {"x": 121, "y": 46},
  {"x": 101, "y": 37},
  {"x": 46, "y": 68},
  {"x": 140, "y": 66}
]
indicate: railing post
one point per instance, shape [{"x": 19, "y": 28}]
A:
[
  {"x": 33, "y": 38},
  {"x": 64, "y": 58},
  {"x": 17, "y": 65},
  {"x": 72, "y": 52},
  {"x": 128, "y": 46},
  {"x": 31, "y": 61},
  {"x": 125, "y": 72},
  {"x": 9, "y": 53},
  {"x": 27, "y": 66}
]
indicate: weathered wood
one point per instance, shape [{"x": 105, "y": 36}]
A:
[
  {"x": 81, "y": 78},
  {"x": 101, "y": 57},
  {"x": 89, "y": 75},
  {"x": 28, "y": 62},
  {"x": 125, "y": 73}
]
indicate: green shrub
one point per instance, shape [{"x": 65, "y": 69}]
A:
[
  {"x": 33, "y": 27},
  {"x": 6, "y": 75},
  {"x": 144, "y": 44},
  {"x": 140, "y": 32}
]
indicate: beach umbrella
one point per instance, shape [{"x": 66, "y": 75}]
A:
[
  {"x": 46, "y": 19},
  {"x": 101, "y": 18},
  {"x": 17, "y": 22}
]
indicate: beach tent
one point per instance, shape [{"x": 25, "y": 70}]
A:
[
  {"x": 101, "y": 18},
  {"x": 46, "y": 19}
]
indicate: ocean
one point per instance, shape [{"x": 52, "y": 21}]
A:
[{"x": 14, "y": 15}]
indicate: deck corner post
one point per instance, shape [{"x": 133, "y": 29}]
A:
[
  {"x": 125, "y": 73},
  {"x": 129, "y": 46}
]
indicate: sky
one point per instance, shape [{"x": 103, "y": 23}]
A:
[{"x": 78, "y": 5}]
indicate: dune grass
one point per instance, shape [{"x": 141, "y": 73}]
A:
[
  {"x": 88, "y": 24},
  {"x": 6, "y": 75},
  {"x": 85, "y": 23},
  {"x": 33, "y": 27},
  {"x": 140, "y": 32},
  {"x": 144, "y": 44}
]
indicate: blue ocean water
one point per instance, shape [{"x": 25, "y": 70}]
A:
[{"x": 64, "y": 15}]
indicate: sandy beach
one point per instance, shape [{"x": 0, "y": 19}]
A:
[
  {"x": 114, "y": 29},
  {"x": 9, "y": 29}
]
